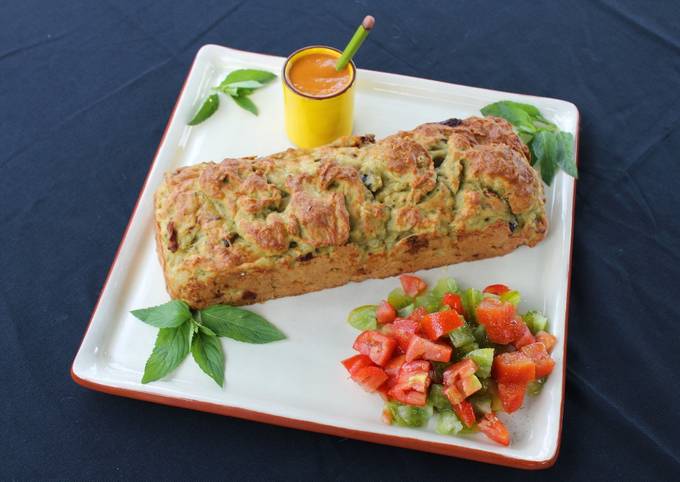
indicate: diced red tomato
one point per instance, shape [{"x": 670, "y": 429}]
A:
[
  {"x": 469, "y": 385},
  {"x": 511, "y": 395},
  {"x": 410, "y": 397},
  {"x": 402, "y": 329},
  {"x": 412, "y": 285},
  {"x": 497, "y": 289},
  {"x": 493, "y": 428},
  {"x": 414, "y": 375},
  {"x": 393, "y": 366},
  {"x": 491, "y": 310},
  {"x": 547, "y": 339},
  {"x": 502, "y": 324},
  {"x": 539, "y": 355},
  {"x": 462, "y": 369},
  {"x": 412, "y": 383},
  {"x": 385, "y": 313},
  {"x": 419, "y": 347},
  {"x": 454, "y": 302},
  {"x": 376, "y": 346},
  {"x": 454, "y": 395},
  {"x": 513, "y": 367},
  {"x": 417, "y": 314},
  {"x": 465, "y": 413},
  {"x": 370, "y": 378},
  {"x": 526, "y": 339},
  {"x": 436, "y": 325},
  {"x": 356, "y": 362}
]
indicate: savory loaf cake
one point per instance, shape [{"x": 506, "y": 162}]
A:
[{"x": 247, "y": 230}]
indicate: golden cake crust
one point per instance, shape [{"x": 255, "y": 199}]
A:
[{"x": 251, "y": 229}]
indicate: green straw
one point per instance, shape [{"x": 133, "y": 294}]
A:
[{"x": 354, "y": 44}]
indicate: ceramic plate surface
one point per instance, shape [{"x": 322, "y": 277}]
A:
[{"x": 300, "y": 382}]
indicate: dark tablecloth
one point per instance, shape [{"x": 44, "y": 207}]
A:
[{"x": 85, "y": 91}]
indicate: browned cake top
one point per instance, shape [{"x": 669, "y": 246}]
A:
[{"x": 440, "y": 179}]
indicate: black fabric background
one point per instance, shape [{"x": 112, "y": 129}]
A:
[{"x": 86, "y": 89}]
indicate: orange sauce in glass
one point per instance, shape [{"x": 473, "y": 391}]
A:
[{"x": 315, "y": 75}]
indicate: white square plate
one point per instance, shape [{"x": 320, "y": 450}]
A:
[{"x": 258, "y": 377}]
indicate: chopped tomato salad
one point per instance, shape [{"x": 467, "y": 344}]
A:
[{"x": 457, "y": 357}]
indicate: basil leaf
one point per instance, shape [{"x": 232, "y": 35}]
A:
[
  {"x": 240, "y": 324},
  {"x": 168, "y": 315},
  {"x": 205, "y": 330},
  {"x": 545, "y": 149},
  {"x": 245, "y": 103},
  {"x": 513, "y": 112},
  {"x": 522, "y": 116},
  {"x": 208, "y": 354},
  {"x": 241, "y": 75},
  {"x": 170, "y": 349},
  {"x": 207, "y": 109},
  {"x": 364, "y": 317},
  {"x": 565, "y": 153}
]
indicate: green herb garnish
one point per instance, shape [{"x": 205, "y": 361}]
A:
[
  {"x": 239, "y": 84},
  {"x": 551, "y": 149},
  {"x": 182, "y": 330}
]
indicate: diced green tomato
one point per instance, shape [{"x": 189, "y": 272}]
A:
[
  {"x": 429, "y": 301},
  {"x": 438, "y": 398},
  {"x": 536, "y": 321},
  {"x": 448, "y": 423},
  {"x": 534, "y": 387},
  {"x": 469, "y": 385},
  {"x": 399, "y": 299},
  {"x": 471, "y": 298},
  {"x": 363, "y": 317},
  {"x": 443, "y": 286},
  {"x": 492, "y": 390},
  {"x": 407, "y": 415},
  {"x": 512, "y": 297},
  {"x": 473, "y": 429},
  {"x": 461, "y": 336},
  {"x": 480, "y": 335},
  {"x": 465, "y": 349},
  {"x": 483, "y": 357},
  {"x": 481, "y": 402},
  {"x": 406, "y": 311}
]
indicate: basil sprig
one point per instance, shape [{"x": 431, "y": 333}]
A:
[
  {"x": 183, "y": 330},
  {"x": 551, "y": 149},
  {"x": 238, "y": 85}
]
